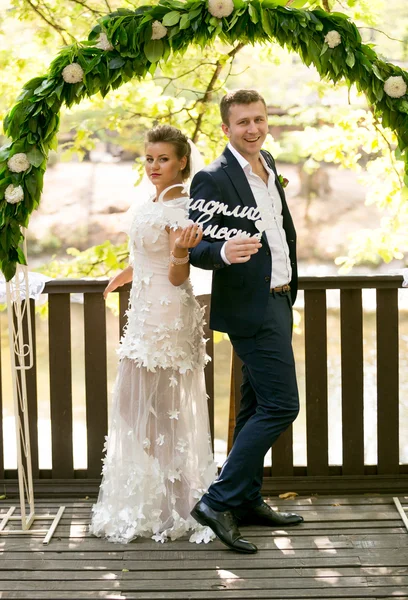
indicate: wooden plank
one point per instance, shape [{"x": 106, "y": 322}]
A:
[
  {"x": 123, "y": 306},
  {"x": 209, "y": 575},
  {"x": 274, "y": 542},
  {"x": 316, "y": 382},
  {"x": 146, "y": 569},
  {"x": 301, "y": 483},
  {"x": 232, "y": 583},
  {"x": 332, "y": 585},
  {"x": 95, "y": 380},
  {"x": 59, "y": 326},
  {"x": 46, "y": 595},
  {"x": 349, "y": 484},
  {"x": 335, "y": 594},
  {"x": 84, "y": 595},
  {"x": 352, "y": 381},
  {"x": 368, "y": 502},
  {"x": 81, "y": 531},
  {"x": 154, "y": 586},
  {"x": 249, "y": 595},
  {"x": 387, "y": 382},
  {"x": 149, "y": 550}
]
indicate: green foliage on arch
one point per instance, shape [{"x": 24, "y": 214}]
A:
[{"x": 128, "y": 44}]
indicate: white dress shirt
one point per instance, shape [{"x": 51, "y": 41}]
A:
[{"x": 269, "y": 204}]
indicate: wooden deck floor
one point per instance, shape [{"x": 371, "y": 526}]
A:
[{"x": 348, "y": 547}]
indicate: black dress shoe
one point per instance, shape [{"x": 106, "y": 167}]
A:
[
  {"x": 224, "y": 526},
  {"x": 264, "y": 515}
]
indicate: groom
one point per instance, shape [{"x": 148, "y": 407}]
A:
[{"x": 254, "y": 287}]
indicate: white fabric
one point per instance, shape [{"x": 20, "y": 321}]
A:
[
  {"x": 159, "y": 460},
  {"x": 36, "y": 284},
  {"x": 269, "y": 203},
  {"x": 196, "y": 161},
  {"x": 405, "y": 276}
]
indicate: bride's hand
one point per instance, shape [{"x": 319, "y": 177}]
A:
[
  {"x": 190, "y": 236},
  {"x": 111, "y": 287}
]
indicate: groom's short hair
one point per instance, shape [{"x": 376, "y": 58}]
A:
[{"x": 238, "y": 97}]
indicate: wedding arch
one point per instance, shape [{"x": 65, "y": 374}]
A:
[{"x": 129, "y": 44}]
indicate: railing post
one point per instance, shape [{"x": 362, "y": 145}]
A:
[
  {"x": 352, "y": 381},
  {"x": 316, "y": 382},
  {"x": 95, "y": 380},
  {"x": 387, "y": 382},
  {"x": 59, "y": 319}
]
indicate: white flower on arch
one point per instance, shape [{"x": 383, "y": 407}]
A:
[
  {"x": 14, "y": 194},
  {"x": 73, "y": 73},
  {"x": 220, "y": 8},
  {"x": 159, "y": 31},
  {"x": 395, "y": 87},
  {"x": 18, "y": 163},
  {"x": 333, "y": 39},
  {"x": 103, "y": 42}
]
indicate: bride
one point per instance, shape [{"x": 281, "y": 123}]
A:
[{"x": 158, "y": 460}]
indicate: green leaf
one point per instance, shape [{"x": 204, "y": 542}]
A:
[
  {"x": 194, "y": 13},
  {"x": 266, "y": 25},
  {"x": 33, "y": 183},
  {"x": 325, "y": 47},
  {"x": 298, "y": 3},
  {"x": 171, "y": 18},
  {"x": 54, "y": 143},
  {"x": 350, "y": 59},
  {"x": 35, "y": 157},
  {"x": 377, "y": 72},
  {"x": 8, "y": 268},
  {"x": 184, "y": 21},
  {"x": 46, "y": 85},
  {"x": 123, "y": 38},
  {"x": 21, "y": 257},
  {"x": 253, "y": 13},
  {"x": 5, "y": 152},
  {"x": 92, "y": 64},
  {"x": 403, "y": 107},
  {"x": 154, "y": 50},
  {"x": 116, "y": 62}
]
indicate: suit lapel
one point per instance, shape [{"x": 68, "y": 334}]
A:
[
  {"x": 238, "y": 178},
  {"x": 271, "y": 164}
]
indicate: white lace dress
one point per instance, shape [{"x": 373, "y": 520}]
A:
[{"x": 158, "y": 460}]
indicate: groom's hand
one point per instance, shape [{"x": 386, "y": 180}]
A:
[{"x": 240, "y": 249}]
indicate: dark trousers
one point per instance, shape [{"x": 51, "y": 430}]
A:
[{"x": 269, "y": 404}]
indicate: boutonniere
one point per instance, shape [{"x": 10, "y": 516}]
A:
[{"x": 283, "y": 181}]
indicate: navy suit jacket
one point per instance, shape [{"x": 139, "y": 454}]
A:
[{"x": 239, "y": 291}]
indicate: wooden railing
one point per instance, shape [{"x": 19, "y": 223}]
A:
[{"x": 318, "y": 475}]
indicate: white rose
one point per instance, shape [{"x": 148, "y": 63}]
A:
[
  {"x": 73, "y": 73},
  {"x": 14, "y": 194},
  {"x": 18, "y": 163},
  {"x": 159, "y": 31},
  {"x": 395, "y": 87},
  {"x": 220, "y": 8},
  {"x": 333, "y": 39},
  {"x": 103, "y": 42}
]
